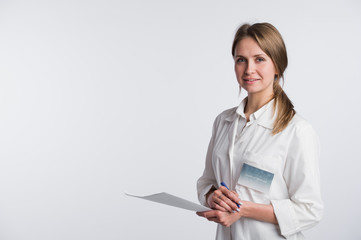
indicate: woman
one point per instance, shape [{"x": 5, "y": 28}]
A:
[{"x": 263, "y": 150}]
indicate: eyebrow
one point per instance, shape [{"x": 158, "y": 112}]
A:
[{"x": 257, "y": 55}]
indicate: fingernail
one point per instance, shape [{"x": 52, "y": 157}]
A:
[
  {"x": 238, "y": 210},
  {"x": 240, "y": 203},
  {"x": 234, "y": 211}
]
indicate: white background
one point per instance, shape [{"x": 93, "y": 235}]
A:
[{"x": 100, "y": 97}]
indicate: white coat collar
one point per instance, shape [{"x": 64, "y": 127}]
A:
[{"x": 263, "y": 116}]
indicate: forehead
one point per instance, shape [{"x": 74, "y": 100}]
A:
[{"x": 248, "y": 47}]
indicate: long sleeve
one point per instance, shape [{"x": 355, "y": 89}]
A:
[
  {"x": 304, "y": 208},
  {"x": 207, "y": 180}
]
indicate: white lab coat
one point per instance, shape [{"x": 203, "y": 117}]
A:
[{"x": 292, "y": 155}]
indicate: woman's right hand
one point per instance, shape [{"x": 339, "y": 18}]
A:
[{"x": 223, "y": 199}]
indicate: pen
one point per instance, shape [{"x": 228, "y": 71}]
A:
[{"x": 224, "y": 185}]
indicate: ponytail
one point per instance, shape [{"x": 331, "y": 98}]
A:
[{"x": 283, "y": 107}]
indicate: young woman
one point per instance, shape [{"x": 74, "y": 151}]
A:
[{"x": 262, "y": 150}]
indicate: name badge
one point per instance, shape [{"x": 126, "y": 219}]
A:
[{"x": 255, "y": 178}]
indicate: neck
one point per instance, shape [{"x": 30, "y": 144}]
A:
[{"x": 255, "y": 102}]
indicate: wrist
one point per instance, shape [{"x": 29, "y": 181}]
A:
[
  {"x": 246, "y": 209},
  {"x": 209, "y": 196},
  {"x": 261, "y": 212}
]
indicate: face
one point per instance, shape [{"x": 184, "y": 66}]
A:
[{"x": 255, "y": 70}]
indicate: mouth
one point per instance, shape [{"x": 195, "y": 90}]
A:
[{"x": 250, "y": 80}]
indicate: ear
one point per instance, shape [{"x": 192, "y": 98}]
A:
[{"x": 276, "y": 77}]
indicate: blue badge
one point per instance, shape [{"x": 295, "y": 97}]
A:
[{"x": 256, "y": 178}]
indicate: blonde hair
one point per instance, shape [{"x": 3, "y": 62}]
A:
[{"x": 271, "y": 42}]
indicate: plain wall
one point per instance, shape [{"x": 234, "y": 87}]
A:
[{"x": 101, "y": 97}]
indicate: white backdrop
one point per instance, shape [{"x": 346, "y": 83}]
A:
[{"x": 100, "y": 97}]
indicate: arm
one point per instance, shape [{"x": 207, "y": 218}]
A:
[
  {"x": 303, "y": 209},
  {"x": 260, "y": 212},
  {"x": 207, "y": 182},
  {"x": 222, "y": 198}
]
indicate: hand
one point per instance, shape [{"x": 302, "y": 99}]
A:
[
  {"x": 224, "y": 200},
  {"x": 224, "y": 218}
]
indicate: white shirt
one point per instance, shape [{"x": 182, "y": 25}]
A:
[{"x": 292, "y": 155}]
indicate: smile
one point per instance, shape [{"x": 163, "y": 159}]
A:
[{"x": 251, "y": 80}]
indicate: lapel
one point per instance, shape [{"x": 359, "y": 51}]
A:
[
  {"x": 267, "y": 118},
  {"x": 232, "y": 120}
]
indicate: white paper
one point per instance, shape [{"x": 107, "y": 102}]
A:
[{"x": 172, "y": 200}]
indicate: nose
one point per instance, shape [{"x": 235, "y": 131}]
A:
[{"x": 250, "y": 69}]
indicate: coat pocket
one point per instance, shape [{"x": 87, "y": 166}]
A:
[{"x": 256, "y": 177}]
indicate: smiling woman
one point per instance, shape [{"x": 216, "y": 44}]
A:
[
  {"x": 265, "y": 46},
  {"x": 266, "y": 153}
]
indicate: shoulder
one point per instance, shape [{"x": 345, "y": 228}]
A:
[
  {"x": 229, "y": 114},
  {"x": 299, "y": 122},
  {"x": 299, "y": 127}
]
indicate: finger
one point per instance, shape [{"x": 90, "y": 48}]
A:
[
  {"x": 217, "y": 193},
  {"x": 200, "y": 214},
  {"x": 230, "y": 194},
  {"x": 213, "y": 219},
  {"x": 208, "y": 214},
  {"x": 216, "y": 202},
  {"x": 235, "y": 193},
  {"x": 225, "y": 203},
  {"x": 230, "y": 200},
  {"x": 221, "y": 205},
  {"x": 231, "y": 204},
  {"x": 220, "y": 208},
  {"x": 216, "y": 205}
]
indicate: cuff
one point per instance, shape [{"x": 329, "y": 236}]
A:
[
  {"x": 285, "y": 216},
  {"x": 202, "y": 195}
]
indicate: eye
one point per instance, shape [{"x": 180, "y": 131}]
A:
[
  {"x": 240, "y": 60},
  {"x": 260, "y": 59}
]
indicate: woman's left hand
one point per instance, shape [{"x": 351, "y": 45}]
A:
[{"x": 221, "y": 217}]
